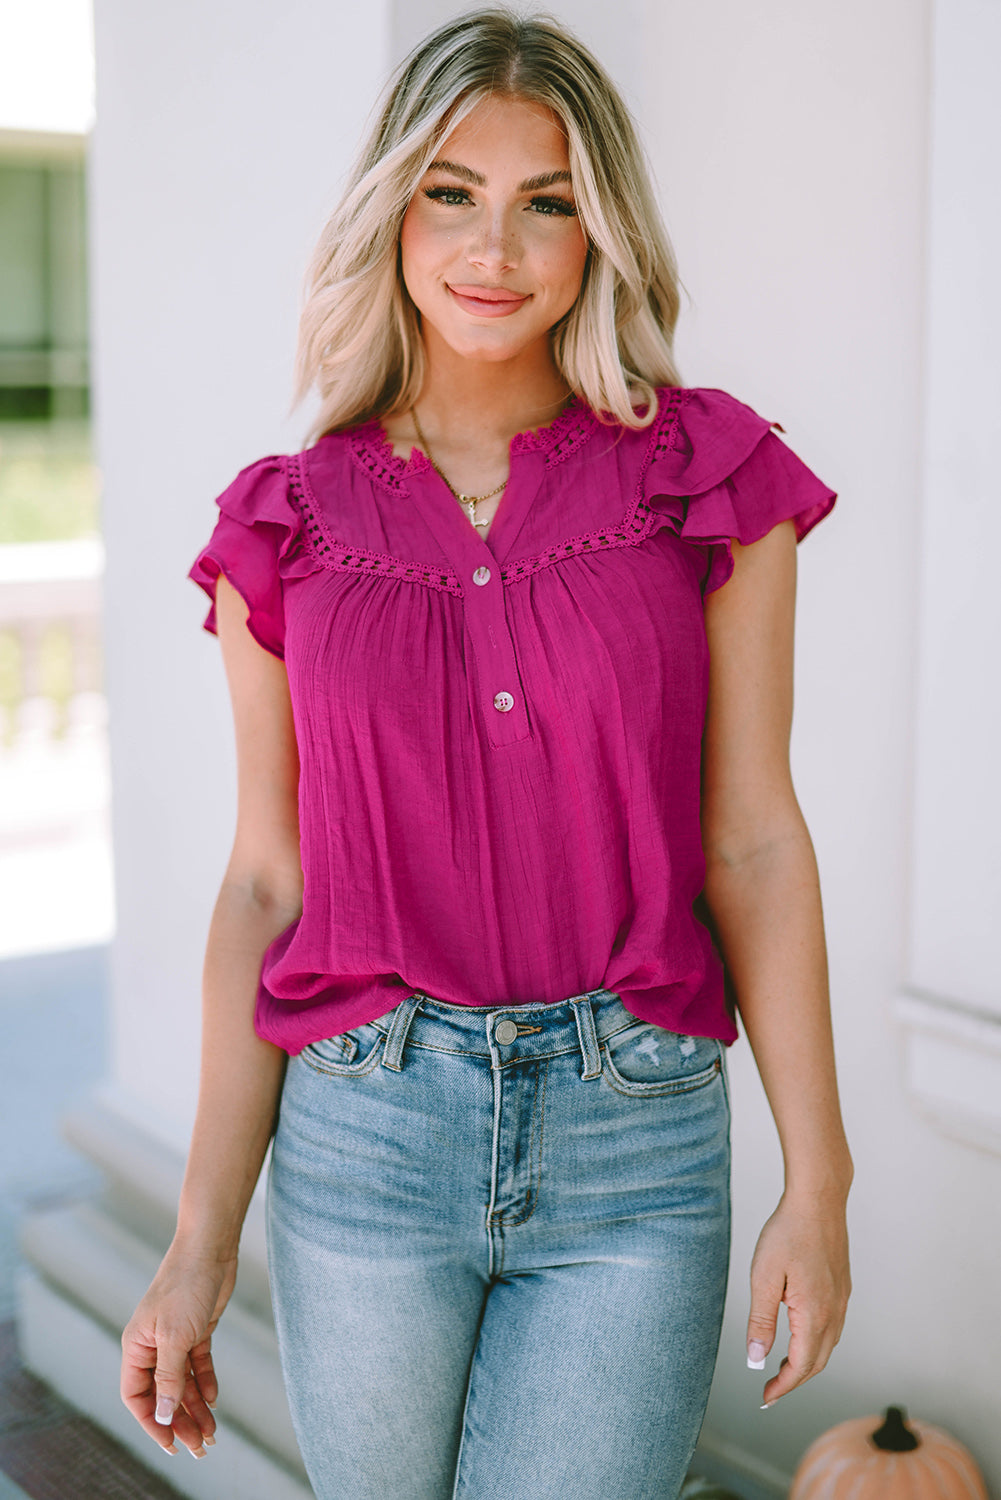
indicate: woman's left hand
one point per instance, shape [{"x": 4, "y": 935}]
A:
[{"x": 801, "y": 1259}]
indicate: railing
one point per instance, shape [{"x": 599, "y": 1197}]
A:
[
  {"x": 50, "y": 647},
  {"x": 56, "y": 886}
]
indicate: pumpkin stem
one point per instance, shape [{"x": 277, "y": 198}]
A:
[{"x": 895, "y": 1436}]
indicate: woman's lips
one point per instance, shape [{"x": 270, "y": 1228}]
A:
[{"x": 486, "y": 301}]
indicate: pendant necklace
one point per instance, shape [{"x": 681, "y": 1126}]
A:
[{"x": 468, "y": 502}]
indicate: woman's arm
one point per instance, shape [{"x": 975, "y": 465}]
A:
[
  {"x": 764, "y": 896},
  {"x": 167, "y": 1372}
]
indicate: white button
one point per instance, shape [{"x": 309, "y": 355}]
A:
[
  {"x": 482, "y": 575},
  {"x": 503, "y": 702},
  {"x": 506, "y": 1032}
]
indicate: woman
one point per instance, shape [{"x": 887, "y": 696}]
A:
[{"x": 487, "y": 641}]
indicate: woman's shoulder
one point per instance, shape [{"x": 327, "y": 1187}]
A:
[
  {"x": 705, "y": 421},
  {"x": 716, "y": 470},
  {"x": 701, "y": 435},
  {"x": 708, "y": 401},
  {"x": 280, "y": 486}
]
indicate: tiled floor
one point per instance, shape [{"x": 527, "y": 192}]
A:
[{"x": 50, "y": 1452}]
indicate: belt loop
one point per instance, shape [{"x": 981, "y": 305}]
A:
[
  {"x": 587, "y": 1036},
  {"x": 392, "y": 1052}
]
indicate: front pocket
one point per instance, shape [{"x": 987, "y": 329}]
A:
[
  {"x": 646, "y": 1059},
  {"x": 347, "y": 1055}
]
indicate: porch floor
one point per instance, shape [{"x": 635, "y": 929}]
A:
[{"x": 48, "y": 1451}]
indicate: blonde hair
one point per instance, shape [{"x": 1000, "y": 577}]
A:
[{"x": 359, "y": 338}]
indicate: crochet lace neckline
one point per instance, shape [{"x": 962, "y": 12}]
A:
[{"x": 562, "y": 437}]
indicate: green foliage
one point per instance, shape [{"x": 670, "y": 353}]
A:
[{"x": 49, "y": 484}]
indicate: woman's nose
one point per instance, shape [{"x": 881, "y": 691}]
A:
[{"x": 495, "y": 245}]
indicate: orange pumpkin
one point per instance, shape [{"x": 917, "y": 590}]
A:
[{"x": 893, "y": 1461}]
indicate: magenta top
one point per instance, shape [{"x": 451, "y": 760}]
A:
[{"x": 500, "y": 739}]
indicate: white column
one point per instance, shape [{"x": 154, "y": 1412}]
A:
[
  {"x": 223, "y": 134},
  {"x": 951, "y": 1009}
]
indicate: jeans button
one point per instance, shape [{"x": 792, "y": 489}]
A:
[{"x": 505, "y": 1032}]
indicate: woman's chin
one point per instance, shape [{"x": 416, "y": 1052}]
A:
[{"x": 487, "y": 346}]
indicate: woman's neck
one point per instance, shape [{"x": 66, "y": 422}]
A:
[{"x": 494, "y": 400}]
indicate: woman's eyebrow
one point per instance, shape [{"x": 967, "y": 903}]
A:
[
  {"x": 457, "y": 170},
  {"x": 547, "y": 179},
  {"x": 530, "y": 185}
]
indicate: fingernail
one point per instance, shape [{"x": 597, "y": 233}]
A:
[
  {"x": 209, "y": 1441},
  {"x": 197, "y": 1452},
  {"x": 756, "y": 1352},
  {"x": 164, "y": 1410},
  {"x": 767, "y": 1405},
  {"x": 171, "y": 1450}
]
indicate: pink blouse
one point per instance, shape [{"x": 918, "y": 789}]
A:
[{"x": 500, "y": 739}]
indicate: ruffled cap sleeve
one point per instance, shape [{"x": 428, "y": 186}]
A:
[
  {"x": 718, "y": 472},
  {"x": 253, "y": 538}
]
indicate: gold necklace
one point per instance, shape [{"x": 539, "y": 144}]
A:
[{"x": 468, "y": 502}]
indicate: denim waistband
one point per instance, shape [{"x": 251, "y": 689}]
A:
[{"x": 508, "y": 1033}]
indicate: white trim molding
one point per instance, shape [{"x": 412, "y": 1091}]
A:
[{"x": 952, "y": 1059}]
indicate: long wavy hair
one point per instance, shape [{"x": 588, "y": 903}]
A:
[{"x": 360, "y": 342}]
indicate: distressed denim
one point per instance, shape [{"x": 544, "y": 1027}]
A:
[{"x": 498, "y": 1244}]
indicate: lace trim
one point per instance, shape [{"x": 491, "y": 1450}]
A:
[
  {"x": 575, "y": 424},
  {"x": 666, "y": 427},
  {"x": 571, "y": 429},
  {"x": 639, "y": 520},
  {"x": 663, "y": 441},
  {"x": 343, "y": 559},
  {"x": 632, "y": 529},
  {"x": 374, "y": 455}
]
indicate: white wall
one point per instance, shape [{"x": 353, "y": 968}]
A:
[
  {"x": 223, "y": 132},
  {"x": 957, "y": 891}
]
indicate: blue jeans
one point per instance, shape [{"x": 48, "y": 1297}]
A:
[{"x": 498, "y": 1244}]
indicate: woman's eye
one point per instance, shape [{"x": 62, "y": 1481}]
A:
[
  {"x": 554, "y": 207},
  {"x": 548, "y": 208},
  {"x": 448, "y": 195}
]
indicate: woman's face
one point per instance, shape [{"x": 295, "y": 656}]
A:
[{"x": 492, "y": 249}]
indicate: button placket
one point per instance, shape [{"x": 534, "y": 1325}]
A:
[
  {"x": 497, "y": 697},
  {"x": 494, "y": 680}
]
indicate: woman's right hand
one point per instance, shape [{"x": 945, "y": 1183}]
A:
[
  {"x": 168, "y": 1379},
  {"x": 167, "y": 1345}
]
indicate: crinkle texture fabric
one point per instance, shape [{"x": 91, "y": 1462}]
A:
[
  {"x": 734, "y": 480},
  {"x": 500, "y": 738},
  {"x": 258, "y": 542}
]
